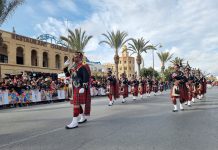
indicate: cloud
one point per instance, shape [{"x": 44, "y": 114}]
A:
[
  {"x": 52, "y": 26},
  {"x": 92, "y": 45},
  {"x": 67, "y": 5},
  {"x": 48, "y": 7},
  {"x": 186, "y": 28}
]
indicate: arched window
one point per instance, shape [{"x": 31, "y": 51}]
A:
[
  {"x": 19, "y": 56},
  {"x": 45, "y": 59},
  {"x": 57, "y": 62},
  {"x": 4, "y": 54},
  {"x": 34, "y": 60},
  {"x": 65, "y": 58}
]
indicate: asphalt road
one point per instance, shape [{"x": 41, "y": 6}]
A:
[{"x": 147, "y": 124}]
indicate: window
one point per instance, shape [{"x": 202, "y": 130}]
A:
[
  {"x": 124, "y": 62},
  {"x": 34, "y": 61},
  {"x": 130, "y": 61},
  {"x": 20, "y": 56},
  {"x": 65, "y": 58},
  {"x": 125, "y": 68},
  {"x": 45, "y": 59},
  {"x": 3, "y": 58},
  {"x": 130, "y": 68},
  {"x": 4, "y": 54},
  {"x": 57, "y": 61}
]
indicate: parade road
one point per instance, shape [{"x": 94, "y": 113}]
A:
[{"x": 147, "y": 124}]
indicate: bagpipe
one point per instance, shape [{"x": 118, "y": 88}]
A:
[
  {"x": 123, "y": 85},
  {"x": 176, "y": 88},
  {"x": 141, "y": 88}
]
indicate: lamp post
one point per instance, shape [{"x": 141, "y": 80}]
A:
[
  {"x": 153, "y": 56},
  {"x": 153, "y": 62}
]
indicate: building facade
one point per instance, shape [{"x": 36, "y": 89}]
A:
[
  {"x": 20, "y": 53},
  {"x": 126, "y": 64},
  {"x": 109, "y": 66},
  {"x": 97, "y": 69}
]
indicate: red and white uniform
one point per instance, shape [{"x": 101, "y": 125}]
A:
[
  {"x": 135, "y": 86},
  {"x": 112, "y": 89},
  {"x": 177, "y": 89}
]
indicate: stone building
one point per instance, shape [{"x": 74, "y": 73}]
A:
[
  {"x": 126, "y": 64},
  {"x": 20, "y": 53},
  {"x": 109, "y": 66}
]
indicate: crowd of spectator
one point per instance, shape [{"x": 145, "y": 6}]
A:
[
  {"x": 27, "y": 87},
  {"x": 31, "y": 86}
]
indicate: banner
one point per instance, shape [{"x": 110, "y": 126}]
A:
[
  {"x": 35, "y": 95},
  {"x": 5, "y": 97},
  {"x": 1, "y": 98}
]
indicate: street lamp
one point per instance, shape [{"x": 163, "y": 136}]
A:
[
  {"x": 159, "y": 46},
  {"x": 153, "y": 62}
]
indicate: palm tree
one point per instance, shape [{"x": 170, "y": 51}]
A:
[
  {"x": 138, "y": 46},
  {"x": 164, "y": 57},
  {"x": 76, "y": 40},
  {"x": 115, "y": 40},
  {"x": 7, "y": 7},
  {"x": 178, "y": 61}
]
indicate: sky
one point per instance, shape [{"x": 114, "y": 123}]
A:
[{"x": 186, "y": 28}]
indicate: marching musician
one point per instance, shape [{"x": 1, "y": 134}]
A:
[
  {"x": 176, "y": 90},
  {"x": 161, "y": 86},
  {"x": 134, "y": 87},
  {"x": 80, "y": 74},
  {"x": 188, "y": 79},
  {"x": 124, "y": 87},
  {"x": 141, "y": 87},
  {"x": 149, "y": 86},
  {"x": 155, "y": 86},
  {"x": 111, "y": 87}
]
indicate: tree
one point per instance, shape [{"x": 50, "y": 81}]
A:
[
  {"x": 115, "y": 40},
  {"x": 178, "y": 61},
  {"x": 138, "y": 46},
  {"x": 7, "y": 7},
  {"x": 164, "y": 57},
  {"x": 148, "y": 72},
  {"x": 76, "y": 40}
]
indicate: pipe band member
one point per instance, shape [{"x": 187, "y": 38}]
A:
[
  {"x": 111, "y": 89},
  {"x": 81, "y": 77},
  {"x": 176, "y": 90},
  {"x": 124, "y": 87}
]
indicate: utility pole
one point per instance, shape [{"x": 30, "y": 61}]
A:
[
  {"x": 153, "y": 62},
  {"x": 153, "y": 56}
]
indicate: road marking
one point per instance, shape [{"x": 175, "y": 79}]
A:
[{"x": 31, "y": 137}]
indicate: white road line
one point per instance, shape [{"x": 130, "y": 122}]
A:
[{"x": 31, "y": 137}]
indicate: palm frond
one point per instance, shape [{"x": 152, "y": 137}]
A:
[
  {"x": 115, "y": 39},
  {"x": 77, "y": 39},
  {"x": 7, "y": 7}
]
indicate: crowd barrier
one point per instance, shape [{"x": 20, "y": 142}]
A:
[
  {"x": 34, "y": 96},
  {"x": 7, "y": 97}
]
